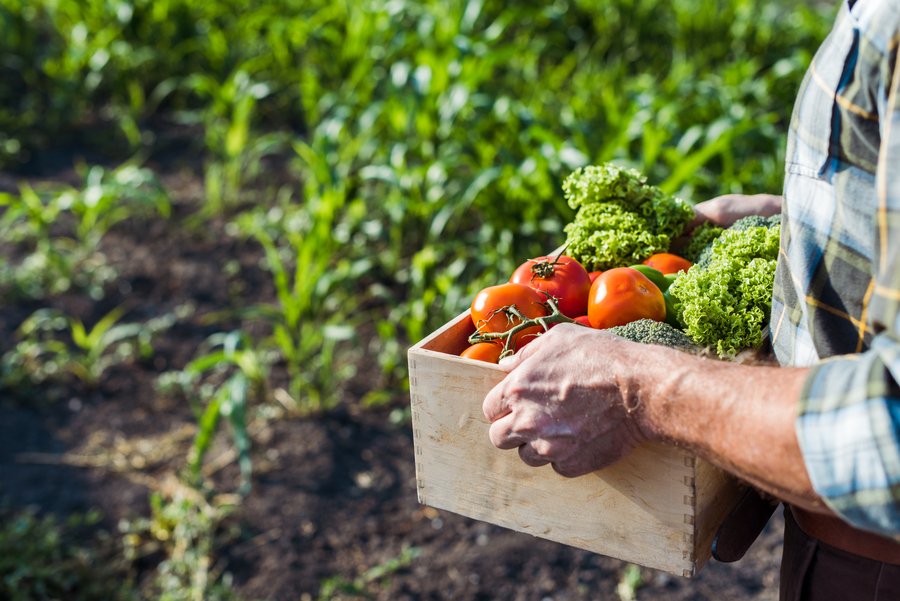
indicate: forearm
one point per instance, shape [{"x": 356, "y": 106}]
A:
[{"x": 739, "y": 417}]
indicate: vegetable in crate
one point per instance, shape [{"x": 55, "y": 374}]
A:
[
  {"x": 703, "y": 256},
  {"x": 620, "y": 219},
  {"x": 484, "y": 351},
  {"x": 622, "y": 295},
  {"x": 667, "y": 263},
  {"x": 725, "y": 298},
  {"x": 650, "y": 331},
  {"x": 701, "y": 237},
  {"x": 496, "y": 310},
  {"x": 560, "y": 277}
]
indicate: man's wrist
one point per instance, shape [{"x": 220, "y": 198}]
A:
[{"x": 657, "y": 405}]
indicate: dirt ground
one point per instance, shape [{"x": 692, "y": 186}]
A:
[{"x": 333, "y": 495}]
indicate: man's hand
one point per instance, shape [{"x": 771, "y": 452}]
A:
[
  {"x": 571, "y": 399},
  {"x": 725, "y": 210}
]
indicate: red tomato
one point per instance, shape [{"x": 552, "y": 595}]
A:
[
  {"x": 668, "y": 263},
  {"x": 583, "y": 320},
  {"x": 484, "y": 351},
  {"x": 490, "y": 314},
  {"x": 593, "y": 275},
  {"x": 622, "y": 295},
  {"x": 561, "y": 277}
]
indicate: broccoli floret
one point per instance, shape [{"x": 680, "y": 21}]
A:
[
  {"x": 698, "y": 248},
  {"x": 620, "y": 218},
  {"x": 702, "y": 236},
  {"x": 724, "y": 300},
  {"x": 650, "y": 331},
  {"x": 761, "y": 241},
  {"x": 756, "y": 221}
]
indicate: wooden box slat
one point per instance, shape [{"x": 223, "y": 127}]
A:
[{"x": 659, "y": 507}]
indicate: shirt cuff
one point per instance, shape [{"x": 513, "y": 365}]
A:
[{"x": 847, "y": 427}]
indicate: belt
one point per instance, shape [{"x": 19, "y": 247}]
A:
[{"x": 836, "y": 533}]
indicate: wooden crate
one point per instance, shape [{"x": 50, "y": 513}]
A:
[{"x": 659, "y": 507}]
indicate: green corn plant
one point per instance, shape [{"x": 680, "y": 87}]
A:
[
  {"x": 58, "y": 230},
  {"x": 234, "y": 151},
  {"x": 52, "y": 346},
  {"x": 109, "y": 343},
  {"x": 222, "y": 383},
  {"x": 111, "y": 196},
  {"x": 27, "y": 216},
  {"x": 50, "y": 264},
  {"x": 314, "y": 286}
]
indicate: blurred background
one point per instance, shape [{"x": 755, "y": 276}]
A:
[{"x": 223, "y": 223}]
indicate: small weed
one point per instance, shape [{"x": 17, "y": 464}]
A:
[
  {"x": 340, "y": 587},
  {"x": 43, "y": 557},
  {"x": 184, "y": 526},
  {"x": 630, "y": 580}
]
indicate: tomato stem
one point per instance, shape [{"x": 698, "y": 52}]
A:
[
  {"x": 556, "y": 316},
  {"x": 561, "y": 252},
  {"x": 545, "y": 269}
]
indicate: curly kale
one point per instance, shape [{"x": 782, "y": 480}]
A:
[
  {"x": 650, "y": 331},
  {"x": 620, "y": 219},
  {"x": 725, "y": 298}
]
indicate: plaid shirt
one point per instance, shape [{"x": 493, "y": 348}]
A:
[{"x": 836, "y": 305}]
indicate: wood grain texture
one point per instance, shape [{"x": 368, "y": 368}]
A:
[{"x": 654, "y": 508}]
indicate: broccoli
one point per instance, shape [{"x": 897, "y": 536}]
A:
[
  {"x": 650, "y": 331},
  {"x": 756, "y": 221},
  {"x": 746, "y": 245},
  {"x": 725, "y": 298},
  {"x": 620, "y": 219},
  {"x": 698, "y": 246},
  {"x": 702, "y": 236}
]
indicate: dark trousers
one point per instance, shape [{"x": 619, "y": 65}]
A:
[{"x": 814, "y": 571}]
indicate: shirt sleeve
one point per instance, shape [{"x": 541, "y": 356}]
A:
[{"x": 848, "y": 423}]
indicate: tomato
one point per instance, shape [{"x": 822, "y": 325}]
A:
[
  {"x": 668, "y": 263},
  {"x": 593, "y": 275},
  {"x": 484, "y": 351},
  {"x": 622, "y": 295},
  {"x": 583, "y": 320},
  {"x": 562, "y": 277},
  {"x": 489, "y": 310}
]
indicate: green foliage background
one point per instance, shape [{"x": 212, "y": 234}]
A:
[{"x": 390, "y": 157}]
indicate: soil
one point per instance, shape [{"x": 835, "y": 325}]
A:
[{"x": 333, "y": 495}]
